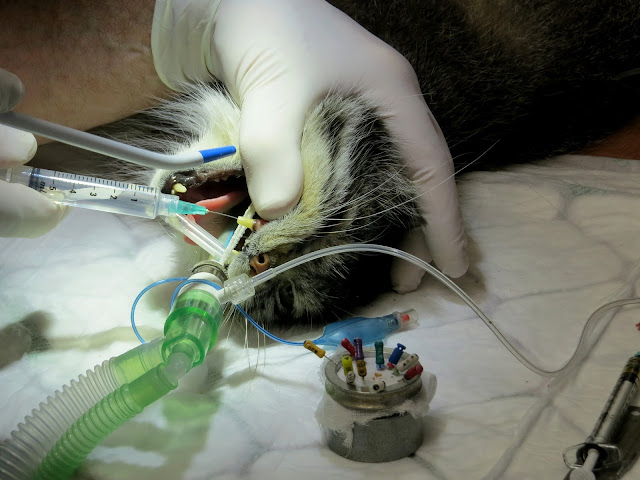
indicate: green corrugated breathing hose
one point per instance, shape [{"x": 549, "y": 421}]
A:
[{"x": 100, "y": 402}]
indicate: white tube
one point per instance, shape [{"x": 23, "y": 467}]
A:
[
  {"x": 111, "y": 148},
  {"x": 372, "y": 248}
]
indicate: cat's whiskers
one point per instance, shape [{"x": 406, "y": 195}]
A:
[
  {"x": 358, "y": 201},
  {"x": 361, "y": 203},
  {"x": 385, "y": 211},
  {"x": 433, "y": 188}
]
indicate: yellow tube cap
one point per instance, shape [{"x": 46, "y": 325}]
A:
[{"x": 245, "y": 222}]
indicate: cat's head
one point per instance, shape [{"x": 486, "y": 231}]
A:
[{"x": 354, "y": 192}]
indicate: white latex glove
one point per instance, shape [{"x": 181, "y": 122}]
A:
[
  {"x": 23, "y": 211},
  {"x": 277, "y": 58}
]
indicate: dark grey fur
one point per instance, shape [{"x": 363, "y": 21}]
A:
[{"x": 542, "y": 77}]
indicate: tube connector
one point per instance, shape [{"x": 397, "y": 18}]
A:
[
  {"x": 236, "y": 289},
  {"x": 192, "y": 326},
  {"x": 132, "y": 364}
]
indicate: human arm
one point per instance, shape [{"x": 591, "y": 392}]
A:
[{"x": 82, "y": 63}]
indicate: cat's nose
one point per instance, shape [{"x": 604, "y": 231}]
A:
[{"x": 260, "y": 262}]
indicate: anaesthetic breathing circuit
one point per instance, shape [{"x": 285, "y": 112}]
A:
[
  {"x": 148, "y": 372},
  {"x": 351, "y": 334},
  {"x": 401, "y": 369}
]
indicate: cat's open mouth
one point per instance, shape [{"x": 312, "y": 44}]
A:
[
  {"x": 218, "y": 191},
  {"x": 195, "y": 186}
]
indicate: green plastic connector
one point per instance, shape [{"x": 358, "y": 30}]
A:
[
  {"x": 134, "y": 363},
  {"x": 192, "y": 327}
]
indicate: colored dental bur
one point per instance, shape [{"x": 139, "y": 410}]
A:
[
  {"x": 395, "y": 356},
  {"x": 359, "y": 357},
  {"x": 379, "y": 355},
  {"x": 347, "y": 367}
]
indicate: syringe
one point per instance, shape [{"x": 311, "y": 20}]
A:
[
  {"x": 100, "y": 194},
  {"x": 599, "y": 449}
]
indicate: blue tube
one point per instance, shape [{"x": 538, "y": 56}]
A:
[
  {"x": 368, "y": 329},
  {"x": 186, "y": 281}
]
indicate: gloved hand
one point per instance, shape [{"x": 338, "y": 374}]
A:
[
  {"x": 277, "y": 58},
  {"x": 23, "y": 211}
]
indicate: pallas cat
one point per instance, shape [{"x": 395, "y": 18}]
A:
[{"x": 507, "y": 81}]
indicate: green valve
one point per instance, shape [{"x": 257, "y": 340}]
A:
[{"x": 192, "y": 327}]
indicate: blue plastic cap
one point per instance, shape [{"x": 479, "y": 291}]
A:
[{"x": 216, "y": 153}]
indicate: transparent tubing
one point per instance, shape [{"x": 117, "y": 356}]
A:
[
  {"x": 39, "y": 432},
  {"x": 195, "y": 232},
  {"x": 112, "y": 148},
  {"x": 372, "y": 248},
  {"x": 107, "y": 415},
  {"x": 54, "y": 441}
]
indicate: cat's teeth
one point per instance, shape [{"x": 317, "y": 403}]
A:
[
  {"x": 178, "y": 187},
  {"x": 225, "y": 178}
]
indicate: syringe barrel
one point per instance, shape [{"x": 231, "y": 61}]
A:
[
  {"x": 616, "y": 405},
  {"x": 90, "y": 192}
]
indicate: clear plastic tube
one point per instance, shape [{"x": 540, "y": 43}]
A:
[
  {"x": 113, "y": 148},
  {"x": 56, "y": 438},
  {"x": 197, "y": 234},
  {"x": 108, "y": 414},
  {"x": 38, "y": 433},
  {"x": 577, "y": 355}
]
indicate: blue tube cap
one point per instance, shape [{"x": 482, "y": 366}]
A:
[{"x": 216, "y": 153}]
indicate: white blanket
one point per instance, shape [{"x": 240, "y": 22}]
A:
[{"x": 549, "y": 243}]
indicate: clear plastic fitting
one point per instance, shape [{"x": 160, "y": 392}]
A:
[{"x": 237, "y": 289}]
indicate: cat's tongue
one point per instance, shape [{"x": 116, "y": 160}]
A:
[{"x": 211, "y": 222}]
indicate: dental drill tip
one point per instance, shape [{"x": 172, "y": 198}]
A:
[{"x": 211, "y": 154}]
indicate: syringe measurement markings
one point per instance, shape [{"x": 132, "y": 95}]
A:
[
  {"x": 77, "y": 184},
  {"x": 142, "y": 188}
]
